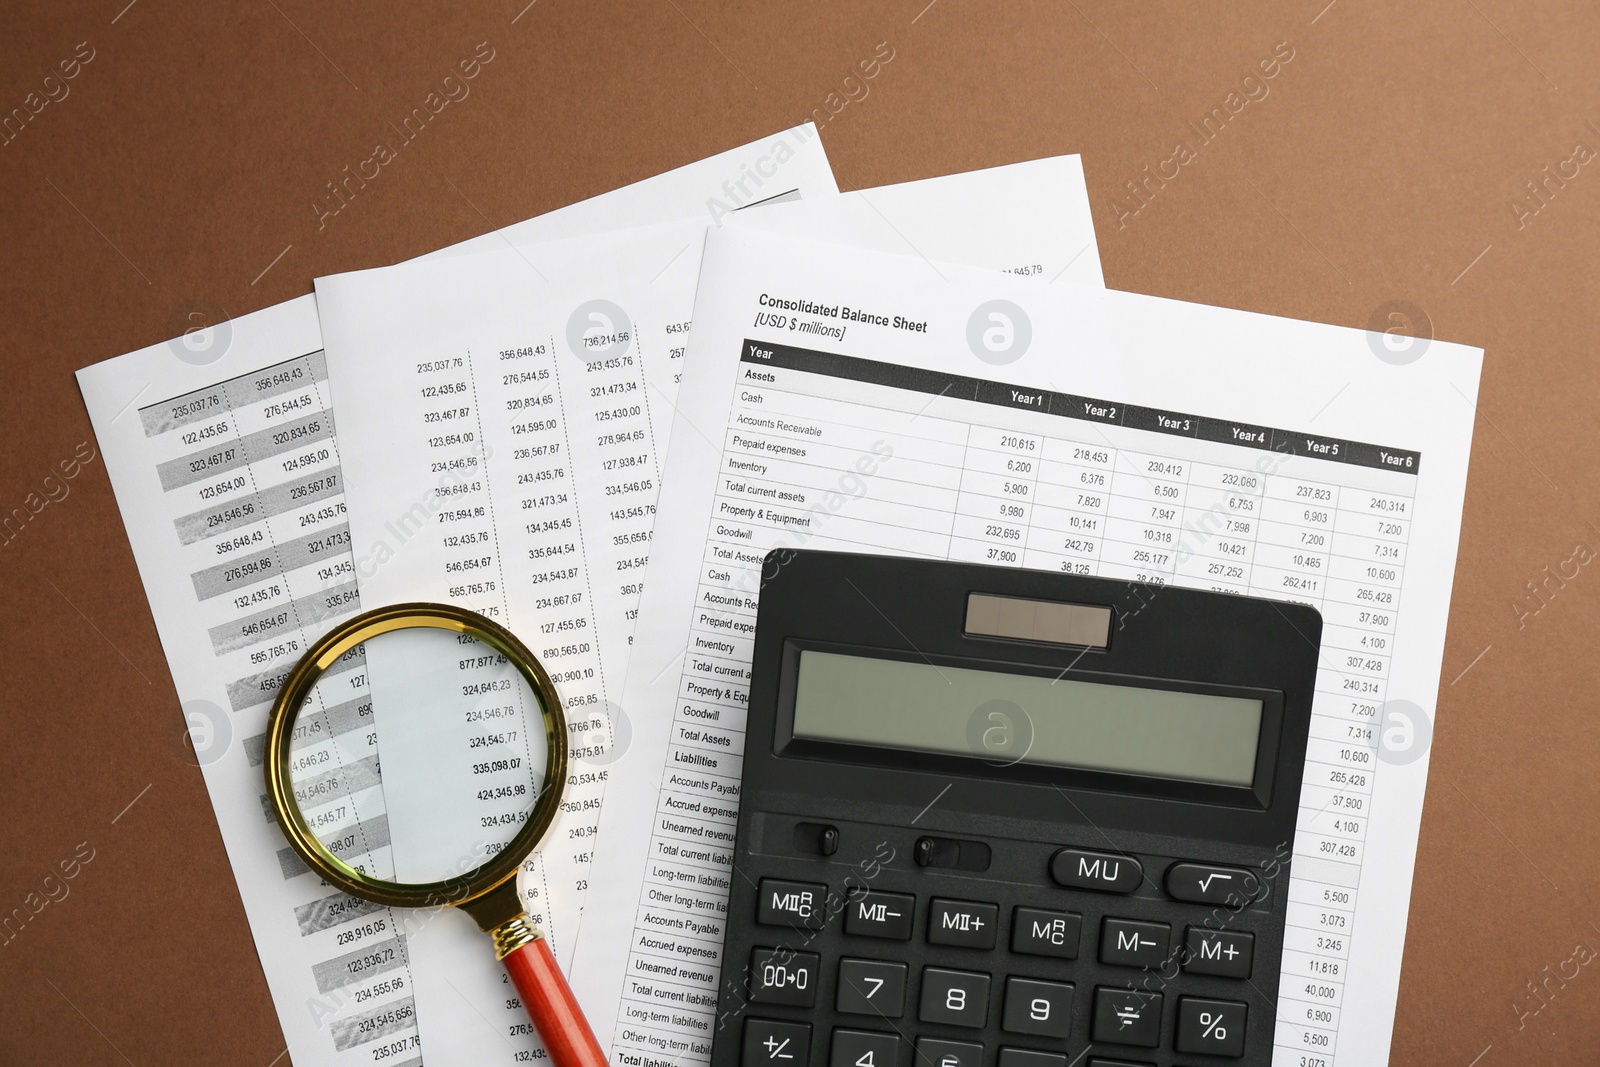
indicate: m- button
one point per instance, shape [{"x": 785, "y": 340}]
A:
[
  {"x": 1132, "y": 943},
  {"x": 797, "y": 904},
  {"x": 963, "y": 923},
  {"x": 1104, "y": 872}
]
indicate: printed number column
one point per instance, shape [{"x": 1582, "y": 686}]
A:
[
  {"x": 1070, "y": 505},
  {"x": 995, "y": 503},
  {"x": 1365, "y": 571},
  {"x": 1142, "y": 526},
  {"x": 1292, "y": 562},
  {"x": 1216, "y": 547}
]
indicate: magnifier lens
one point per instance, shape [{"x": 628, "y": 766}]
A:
[{"x": 418, "y": 755}]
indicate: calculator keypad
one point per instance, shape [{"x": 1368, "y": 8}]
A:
[{"x": 884, "y": 978}]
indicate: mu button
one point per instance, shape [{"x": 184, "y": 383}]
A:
[{"x": 1105, "y": 872}]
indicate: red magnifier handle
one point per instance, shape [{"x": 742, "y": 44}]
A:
[{"x": 552, "y": 1007}]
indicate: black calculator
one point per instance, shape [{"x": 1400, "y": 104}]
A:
[{"x": 1004, "y": 818}]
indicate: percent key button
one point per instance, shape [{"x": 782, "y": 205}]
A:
[
  {"x": 1204, "y": 883},
  {"x": 1211, "y": 1027}
]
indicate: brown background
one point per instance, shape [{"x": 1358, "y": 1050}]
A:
[{"x": 1380, "y": 168}]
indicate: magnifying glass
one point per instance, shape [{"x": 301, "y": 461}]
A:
[{"x": 415, "y": 757}]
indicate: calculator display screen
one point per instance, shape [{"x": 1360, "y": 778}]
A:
[{"x": 1165, "y": 733}]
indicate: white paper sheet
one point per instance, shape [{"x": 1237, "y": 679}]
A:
[
  {"x": 221, "y": 452},
  {"x": 895, "y": 463},
  {"x": 499, "y": 458}
]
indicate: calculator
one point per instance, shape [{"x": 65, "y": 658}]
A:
[{"x": 994, "y": 817}]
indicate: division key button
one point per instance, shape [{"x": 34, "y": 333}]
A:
[
  {"x": 1205, "y": 883},
  {"x": 798, "y": 904},
  {"x": 1104, "y": 872}
]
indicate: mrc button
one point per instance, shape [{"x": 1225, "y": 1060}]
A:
[
  {"x": 1104, "y": 872},
  {"x": 796, "y": 904},
  {"x": 1037, "y": 932}
]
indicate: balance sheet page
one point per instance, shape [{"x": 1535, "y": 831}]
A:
[
  {"x": 887, "y": 404},
  {"x": 222, "y": 451},
  {"x": 505, "y": 418}
]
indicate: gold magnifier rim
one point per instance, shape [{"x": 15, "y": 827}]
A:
[{"x": 463, "y": 888}]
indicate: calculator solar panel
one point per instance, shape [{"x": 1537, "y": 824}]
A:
[{"x": 1003, "y": 818}]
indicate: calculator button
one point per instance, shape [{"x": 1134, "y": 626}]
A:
[
  {"x": 1203, "y": 883},
  {"x": 1213, "y": 1027},
  {"x": 769, "y": 1043},
  {"x": 791, "y": 904},
  {"x": 1228, "y": 953},
  {"x": 1029, "y": 1057},
  {"x": 1130, "y": 943},
  {"x": 880, "y": 915},
  {"x": 960, "y": 998},
  {"x": 936, "y": 1052},
  {"x": 1127, "y": 1017},
  {"x": 962, "y": 923},
  {"x": 1038, "y": 932},
  {"x": 871, "y": 987},
  {"x": 1035, "y": 1007},
  {"x": 779, "y": 976},
  {"x": 1104, "y": 872},
  {"x": 864, "y": 1048}
]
